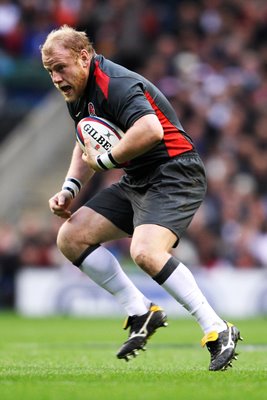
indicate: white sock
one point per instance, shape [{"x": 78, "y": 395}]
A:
[
  {"x": 104, "y": 269},
  {"x": 181, "y": 284}
]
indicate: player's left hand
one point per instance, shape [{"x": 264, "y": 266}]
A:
[{"x": 90, "y": 156}]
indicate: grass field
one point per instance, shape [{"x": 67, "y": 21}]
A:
[{"x": 74, "y": 359}]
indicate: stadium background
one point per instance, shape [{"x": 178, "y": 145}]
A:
[{"x": 209, "y": 58}]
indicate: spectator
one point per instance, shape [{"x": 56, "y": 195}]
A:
[{"x": 9, "y": 264}]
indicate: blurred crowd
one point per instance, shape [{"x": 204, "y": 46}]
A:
[{"x": 209, "y": 57}]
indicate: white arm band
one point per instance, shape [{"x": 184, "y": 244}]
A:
[
  {"x": 73, "y": 185},
  {"x": 106, "y": 161}
]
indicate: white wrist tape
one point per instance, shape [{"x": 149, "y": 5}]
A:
[
  {"x": 73, "y": 185},
  {"x": 106, "y": 161}
]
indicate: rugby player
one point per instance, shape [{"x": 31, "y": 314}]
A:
[{"x": 154, "y": 202}]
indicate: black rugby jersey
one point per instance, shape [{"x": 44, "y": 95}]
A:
[{"x": 122, "y": 97}]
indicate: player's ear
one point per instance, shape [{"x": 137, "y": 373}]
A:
[{"x": 84, "y": 58}]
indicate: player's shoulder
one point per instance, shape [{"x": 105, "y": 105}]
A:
[{"x": 113, "y": 69}]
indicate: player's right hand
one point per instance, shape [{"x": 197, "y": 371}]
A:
[{"x": 60, "y": 203}]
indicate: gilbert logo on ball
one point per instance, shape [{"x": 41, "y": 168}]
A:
[{"x": 103, "y": 134}]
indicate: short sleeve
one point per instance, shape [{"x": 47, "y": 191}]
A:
[{"x": 127, "y": 101}]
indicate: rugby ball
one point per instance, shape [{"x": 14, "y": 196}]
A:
[{"x": 103, "y": 133}]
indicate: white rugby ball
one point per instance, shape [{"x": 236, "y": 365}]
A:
[{"x": 103, "y": 133}]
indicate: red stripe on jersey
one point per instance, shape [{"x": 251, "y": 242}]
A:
[
  {"x": 175, "y": 142},
  {"x": 102, "y": 80}
]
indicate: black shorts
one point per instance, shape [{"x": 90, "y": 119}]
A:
[{"x": 169, "y": 196}]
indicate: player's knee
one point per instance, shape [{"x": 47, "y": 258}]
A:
[
  {"x": 68, "y": 240},
  {"x": 141, "y": 256},
  {"x": 63, "y": 238}
]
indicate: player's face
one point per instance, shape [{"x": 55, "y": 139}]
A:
[{"x": 69, "y": 73}]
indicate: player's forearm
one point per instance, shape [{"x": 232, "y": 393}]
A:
[
  {"x": 78, "y": 168},
  {"x": 146, "y": 133}
]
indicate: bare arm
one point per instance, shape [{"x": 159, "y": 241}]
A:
[
  {"x": 78, "y": 169},
  {"x": 60, "y": 202},
  {"x": 145, "y": 133}
]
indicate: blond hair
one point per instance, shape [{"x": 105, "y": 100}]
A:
[{"x": 69, "y": 39}]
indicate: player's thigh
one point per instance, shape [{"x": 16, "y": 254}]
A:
[
  {"x": 175, "y": 192},
  {"x": 152, "y": 238},
  {"x": 86, "y": 227},
  {"x": 113, "y": 204}
]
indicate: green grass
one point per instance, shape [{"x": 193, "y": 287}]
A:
[{"x": 67, "y": 358}]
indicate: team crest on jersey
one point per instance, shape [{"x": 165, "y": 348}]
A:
[{"x": 91, "y": 109}]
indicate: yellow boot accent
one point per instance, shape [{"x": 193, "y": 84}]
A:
[
  {"x": 125, "y": 323},
  {"x": 155, "y": 308},
  {"x": 209, "y": 337},
  {"x": 212, "y": 336}
]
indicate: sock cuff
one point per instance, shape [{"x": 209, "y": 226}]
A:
[
  {"x": 166, "y": 271},
  {"x": 84, "y": 254}
]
